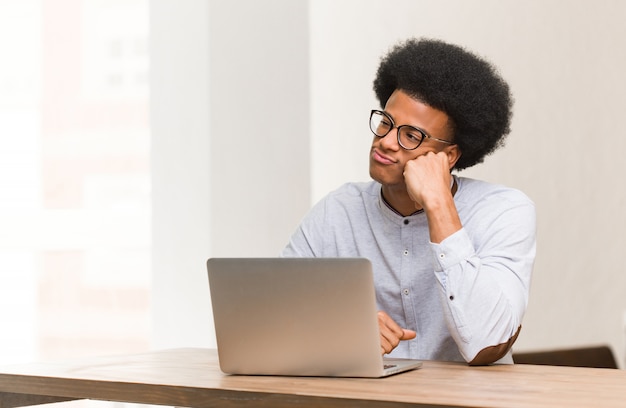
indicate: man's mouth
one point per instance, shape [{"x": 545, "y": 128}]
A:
[{"x": 381, "y": 158}]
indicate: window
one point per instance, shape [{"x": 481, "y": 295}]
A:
[{"x": 74, "y": 178}]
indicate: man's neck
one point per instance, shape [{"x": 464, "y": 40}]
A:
[{"x": 398, "y": 198}]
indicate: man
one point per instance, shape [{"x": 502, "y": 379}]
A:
[{"x": 452, "y": 256}]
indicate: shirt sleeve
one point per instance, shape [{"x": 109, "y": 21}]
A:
[
  {"x": 485, "y": 283},
  {"x": 308, "y": 239}
]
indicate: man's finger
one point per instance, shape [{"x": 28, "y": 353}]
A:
[
  {"x": 408, "y": 334},
  {"x": 391, "y": 333}
]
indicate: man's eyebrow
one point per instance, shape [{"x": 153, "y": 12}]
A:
[
  {"x": 421, "y": 129},
  {"x": 392, "y": 118}
]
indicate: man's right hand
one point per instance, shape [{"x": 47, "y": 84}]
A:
[{"x": 391, "y": 333}]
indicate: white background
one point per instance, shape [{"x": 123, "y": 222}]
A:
[
  {"x": 257, "y": 109},
  {"x": 564, "y": 61}
]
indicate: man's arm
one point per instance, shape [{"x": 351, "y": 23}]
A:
[{"x": 484, "y": 297}]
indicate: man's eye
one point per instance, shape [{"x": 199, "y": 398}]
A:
[{"x": 413, "y": 136}]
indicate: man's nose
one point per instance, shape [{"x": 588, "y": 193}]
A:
[{"x": 390, "y": 140}]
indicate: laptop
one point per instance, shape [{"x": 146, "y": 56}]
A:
[{"x": 298, "y": 317}]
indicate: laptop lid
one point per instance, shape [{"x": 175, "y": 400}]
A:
[{"x": 297, "y": 316}]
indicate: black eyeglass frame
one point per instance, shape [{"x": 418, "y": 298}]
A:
[{"x": 393, "y": 125}]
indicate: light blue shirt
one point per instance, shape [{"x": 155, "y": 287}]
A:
[{"x": 461, "y": 296}]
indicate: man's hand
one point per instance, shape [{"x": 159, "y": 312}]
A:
[
  {"x": 390, "y": 333},
  {"x": 428, "y": 180}
]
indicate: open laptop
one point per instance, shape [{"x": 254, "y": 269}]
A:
[{"x": 298, "y": 317}]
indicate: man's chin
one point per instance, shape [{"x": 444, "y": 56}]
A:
[
  {"x": 376, "y": 177},
  {"x": 387, "y": 180}
]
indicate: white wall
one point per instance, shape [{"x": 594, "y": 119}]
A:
[
  {"x": 230, "y": 111},
  {"x": 564, "y": 60},
  {"x": 259, "y": 124},
  {"x": 180, "y": 114}
]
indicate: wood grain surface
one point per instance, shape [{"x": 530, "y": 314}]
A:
[{"x": 191, "y": 378}]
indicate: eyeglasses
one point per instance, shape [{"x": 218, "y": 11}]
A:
[{"x": 409, "y": 137}]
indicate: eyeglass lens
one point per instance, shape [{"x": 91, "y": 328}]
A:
[{"x": 408, "y": 137}]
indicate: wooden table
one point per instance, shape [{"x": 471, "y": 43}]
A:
[{"x": 191, "y": 378}]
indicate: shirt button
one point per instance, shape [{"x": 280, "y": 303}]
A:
[
  {"x": 406, "y": 222},
  {"x": 442, "y": 256},
  {"x": 406, "y": 292},
  {"x": 406, "y": 252}
]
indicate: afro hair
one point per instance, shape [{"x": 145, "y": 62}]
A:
[{"x": 461, "y": 84}]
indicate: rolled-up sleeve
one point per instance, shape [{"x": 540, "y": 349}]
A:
[{"x": 485, "y": 284}]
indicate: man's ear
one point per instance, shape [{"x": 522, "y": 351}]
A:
[{"x": 454, "y": 153}]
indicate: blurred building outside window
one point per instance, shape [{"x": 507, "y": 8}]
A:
[{"x": 75, "y": 204}]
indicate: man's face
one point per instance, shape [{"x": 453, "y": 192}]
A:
[{"x": 387, "y": 157}]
